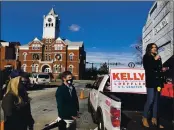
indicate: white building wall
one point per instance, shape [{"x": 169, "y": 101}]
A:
[
  {"x": 49, "y": 32},
  {"x": 159, "y": 29}
]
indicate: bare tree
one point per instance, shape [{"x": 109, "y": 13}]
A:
[{"x": 138, "y": 50}]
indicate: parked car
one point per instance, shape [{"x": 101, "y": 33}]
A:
[{"x": 40, "y": 79}]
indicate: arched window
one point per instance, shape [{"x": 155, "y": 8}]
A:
[
  {"x": 49, "y": 57},
  {"x": 25, "y": 56},
  {"x": 52, "y": 24},
  {"x": 36, "y": 68},
  {"x": 49, "y": 24},
  {"x": 33, "y": 68},
  {"x": 71, "y": 55},
  {"x": 24, "y": 67},
  {"x": 71, "y": 68},
  {"x": 55, "y": 68},
  {"x": 46, "y": 24}
]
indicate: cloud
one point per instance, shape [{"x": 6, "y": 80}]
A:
[
  {"x": 94, "y": 47},
  {"x": 74, "y": 28},
  {"x": 101, "y": 57}
]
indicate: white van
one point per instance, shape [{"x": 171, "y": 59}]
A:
[{"x": 40, "y": 79}]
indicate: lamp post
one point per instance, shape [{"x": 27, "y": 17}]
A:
[{"x": 90, "y": 63}]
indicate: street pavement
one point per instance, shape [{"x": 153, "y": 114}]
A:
[{"x": 44, "y": 108}]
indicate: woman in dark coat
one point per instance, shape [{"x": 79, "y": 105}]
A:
[
  {"x": 16, "y": 106},
  {"x": 154, "y": 78}
]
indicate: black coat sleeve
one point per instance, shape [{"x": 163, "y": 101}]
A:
[
  {"x": 8, "y": 107},
  {"x": 30, "y": 119},
  {"x": 59, "y": 99},
  {"x": 76, "y": 98}
]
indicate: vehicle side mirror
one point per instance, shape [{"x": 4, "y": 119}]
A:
[{"x": 89, "y": 86}]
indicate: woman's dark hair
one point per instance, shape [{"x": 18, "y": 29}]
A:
[
  {"x": 65, "y": 74},
  {"x": 149, "y": 48}
]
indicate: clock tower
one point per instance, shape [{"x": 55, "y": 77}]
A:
[{"x": 51, "y": 25}]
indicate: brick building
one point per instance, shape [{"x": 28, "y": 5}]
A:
[
  {"x": 8, "y": 54},
  {"x": 52, "y": 54}
]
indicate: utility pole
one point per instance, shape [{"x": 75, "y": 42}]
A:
[{"x": 108, "y": 65}]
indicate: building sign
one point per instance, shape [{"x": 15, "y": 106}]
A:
[
  {"x": 128, "y": 81},
  {"x": 162, "y": 24}
]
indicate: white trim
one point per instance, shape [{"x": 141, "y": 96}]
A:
[
  {"x": 5, "y": 44},
  {"x": 24, "y": 53},
  {"x": 73, "y": 47},
  {"x": 23, "y": 47},
  {"x": 7, "y": 65},
  {"x": 71, "y": 54},
  {"x": 71, "y": 66}
]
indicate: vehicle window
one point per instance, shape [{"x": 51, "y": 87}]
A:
[
  {"x": 44, "y": 76},
  {"x": 34, "y": 76},
  {"x": 107, "y": 86},
  {"x": 97, "y": 84}
]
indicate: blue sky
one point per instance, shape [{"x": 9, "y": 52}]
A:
[{"x": 108, "y": 29}]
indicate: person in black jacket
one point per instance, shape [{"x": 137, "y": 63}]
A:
[
  {"x": 16, "y": 106},
  {"x": 154, "y": 78},
  {"x": 67, "y": 100}
]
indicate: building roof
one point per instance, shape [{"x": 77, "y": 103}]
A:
[
  {"x": 2, "y": 41},
  {"x": 70, "y": 43},
  {"x": 52, "y": 12}
]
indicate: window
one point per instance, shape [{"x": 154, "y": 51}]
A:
[
  {"x": 50, "y": 40},
  {"x": 46, "y": 40},
  {"x": 107, "y": 86},
  {"x": 38, "y": 47},
  {"x": 46, "y": 57},
  {"x": 24, "y": 67},
  {"x": 49, "y": 57},
  {"x": 50, "y": 47},
  {"x": 58, "y": 47},
  {"x": 57, "y": 69},
  {"x": 153, "y": 9},
  {"x": 43, "y": 76},
  {"x": 52, "y": 24},
  {"x": 97, "y": 82},
  {"x": 25, "y": 56},
  {"x": 71, "y": 68},
  {"x": 71, "y": 56},
  {"x": 46, "y": 47},
  {"x": 37, "y": 68},
  {"x": 33, "y": 68},
  {"x": 35, "y": 47}
]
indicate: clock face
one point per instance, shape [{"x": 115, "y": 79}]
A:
[{"x": 49, "y": 19}]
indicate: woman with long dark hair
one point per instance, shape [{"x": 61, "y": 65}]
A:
[
  {"x": 154, "y": 78},
  {"x": 16, "y": 106}
]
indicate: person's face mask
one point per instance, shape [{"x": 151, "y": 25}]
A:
[{"x": 69, "y": 79}]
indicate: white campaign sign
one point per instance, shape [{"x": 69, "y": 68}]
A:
[{"x": 128, "y": 80}]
